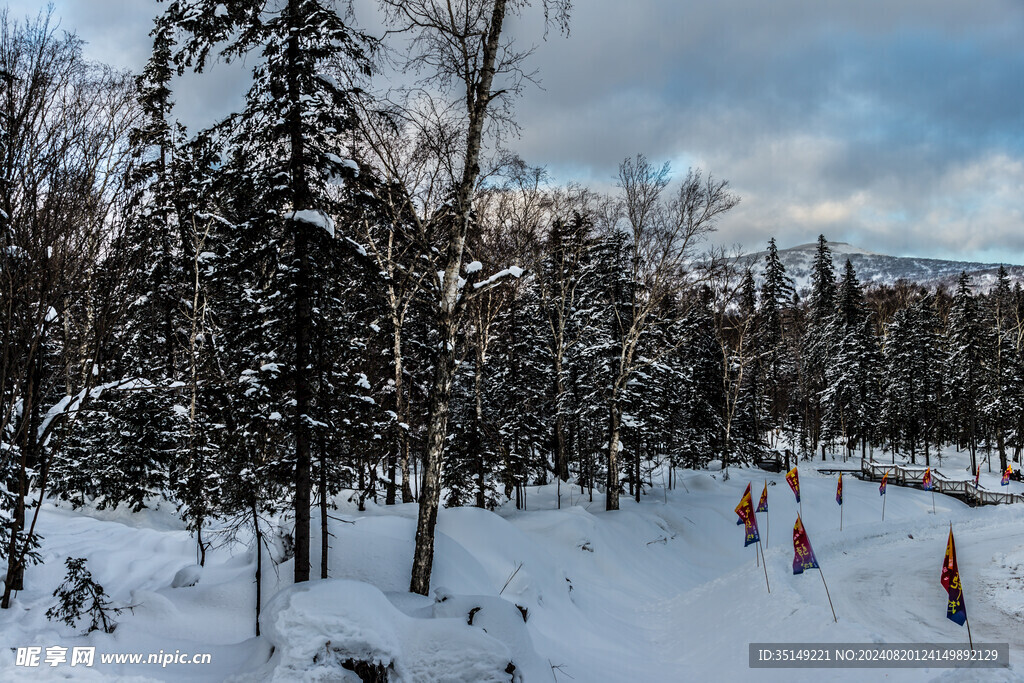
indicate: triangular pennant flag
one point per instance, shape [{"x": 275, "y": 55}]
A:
[
  {"x": 956, "y": 610},
  {"x": 745, "y": 510},
  {"x": 794, "y": 482},
  {"x": 803, "y": 554}
]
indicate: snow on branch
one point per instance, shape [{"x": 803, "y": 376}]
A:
[
  {"x": 214, "y": 217},
  {"x": 514, "y": 271},
  {"x": 71, "y": 404},
  {"x": 314, "y": 217}
]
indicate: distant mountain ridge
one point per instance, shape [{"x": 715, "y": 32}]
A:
[{"x": 879, "y": 269}]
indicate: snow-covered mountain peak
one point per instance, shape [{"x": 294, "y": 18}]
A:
[{"x": 881, "y": 269}]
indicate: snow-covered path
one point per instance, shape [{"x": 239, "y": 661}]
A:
[{"x": 883, "y": 578}]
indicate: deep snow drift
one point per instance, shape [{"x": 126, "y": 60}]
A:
[{"x": 660, "y": 591}]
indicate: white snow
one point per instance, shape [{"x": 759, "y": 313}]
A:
[
  {"x": 187, "y": 576},
  {"x": 314, "y": 217},
  {"x": 474, "y": 266},
  {"x": 662, "y": 590},
  {"x": 360, "y": 249},
  {"x": 316, "y": 627},
  {"x": 514, "y": 271}
]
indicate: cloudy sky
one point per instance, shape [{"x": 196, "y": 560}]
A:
[{"x": 896, "y": 126}]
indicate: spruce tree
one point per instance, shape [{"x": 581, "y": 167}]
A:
[
  {"x": 772, "y": 331},
  {"x": 817, "y": 351},
  {"x": 283, "y": 157},
  {"x": 964, "y": 371}
]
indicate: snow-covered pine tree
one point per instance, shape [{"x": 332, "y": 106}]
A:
[
  {"x": 1002, "y": 386},
  {"x": 285, "y": 148},
  {"x": 745, "y": 433},
  {"x": 520, "y": 405},
  {"x": 929, "y": 372},
  {"x": 588, "y": 363},
  {"x": 964, "y": 371},
  {"x": 562, "y": 277},
  {"x": 703, "y": 402},
  {"x": 772, "y": 331},
  {"x": 851, "y": 381},
  {"x": 912, "y": 377},
  {"x": 816, "y": 345}
]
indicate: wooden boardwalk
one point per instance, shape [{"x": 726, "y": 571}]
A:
[{"x": 912, "y": 475}]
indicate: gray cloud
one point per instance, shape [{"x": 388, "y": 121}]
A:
[{"x": 895, "y": 126}]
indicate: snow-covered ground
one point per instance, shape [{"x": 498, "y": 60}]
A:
[{"x": 659, "y": 591}]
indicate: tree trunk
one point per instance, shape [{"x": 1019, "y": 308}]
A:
[
  {"x": 478, "y": 418},
  {"x": 399, "y": 450},
  {"x": 440, "y": 398},
  {"x": 639, "y": 451},
  {"x": 259, "y": 565},
  {"x": 614, "y": 422},
  {"x": 300, "y": 201},
  {"x": 561, "y": 456},
  {"x": 16, "y": 552},
  {"x": 324, "y": 531},
  {"x": 437, "y": 430},
  {"x": 1001, "y": 443}
]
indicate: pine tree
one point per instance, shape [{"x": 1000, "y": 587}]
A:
[
  {"x": 963, "y": 368},
  {"x": 702, "y": 431},
  {"x": 745, "y": 393},
  {"x": 1001, "y": 380},
  {"x": 850, "y": 398},
  {"x": 776, "y": 361},
  {"x": 912, "y": 377},
  {"x": 816, "y": 352},
  {"x": 283, "y": 152}
]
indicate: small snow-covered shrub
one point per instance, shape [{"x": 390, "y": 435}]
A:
[{"x": 81, "y": 596}]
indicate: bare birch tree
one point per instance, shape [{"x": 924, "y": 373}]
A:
[
  {"x": 460, "y": 50},
  {"x": 662, "y": 238}
]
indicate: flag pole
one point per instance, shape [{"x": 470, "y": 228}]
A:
[
  {"x": 933, "y": 501},
  {"x": 883, "y": 507},
  {"x": 767, "y": 520},
  {"x": 767, "y": 585},
  {"x": 834, "y": 617},
  {"x": 840, "y": 517}
]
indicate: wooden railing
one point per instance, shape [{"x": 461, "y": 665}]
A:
[{"x": 913, "y": 475}]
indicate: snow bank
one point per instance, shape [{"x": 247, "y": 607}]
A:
[
  {"x": 321, "y": 632},
  {"x": 661, "y": 590}
]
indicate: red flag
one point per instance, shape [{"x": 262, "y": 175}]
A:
[
  {"x": 745, "y": 511},
  {"x": 762, "y": 505},
  {"x": 956, "y": 610},
  {"x": 803, "y": 554},
  {"x": 1006, "y": 475},
  {"x": 885, "y": 480},
  {"x": 794, "y": 482},
  {"x": 926, "y": 481},
  {"x": 839, "y": 490},
  {"x": 977, "y": 475}
]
